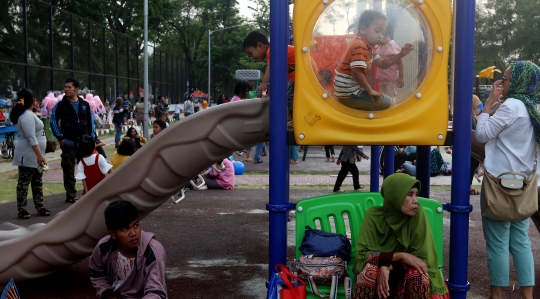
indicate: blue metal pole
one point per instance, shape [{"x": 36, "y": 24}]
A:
[
  {"x": 374, "y": 173},
  {"x": 279, "y": 174},
  {"x": 460, "y": 204},
  {"x": 423, "y": 159},
  {"x": 388, "y": 168}
]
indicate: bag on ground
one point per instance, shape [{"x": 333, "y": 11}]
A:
[{"x": 285, "y": 285}]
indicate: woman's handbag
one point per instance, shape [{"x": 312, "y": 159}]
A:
[
  {"x": 324, "y": 261},
  {"x": 281, "y": 285},
  {"x": 50, "y": 147},
  {"x": 320, "y": 269},
  {"x": 321, "y": 243},
  {"x": 509, "y": 199},
  {"x": 324, "y": 271}
]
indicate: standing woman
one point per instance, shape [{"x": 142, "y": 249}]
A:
[
  {"x": 512, "y": 135},
  {"x": 29, "y": 153}
]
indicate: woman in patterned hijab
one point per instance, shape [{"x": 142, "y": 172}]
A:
[
  {"x": 525, "y": 86},
  {"x": 511, "y": 135}
]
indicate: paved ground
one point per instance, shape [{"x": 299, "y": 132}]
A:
[
  {"x": 217, "y": 247},
  {"x": 217, "y": 241}
]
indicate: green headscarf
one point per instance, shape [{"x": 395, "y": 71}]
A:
[
  {"x": 525, "y": 86},
  {"x": 387, "y": 229}
]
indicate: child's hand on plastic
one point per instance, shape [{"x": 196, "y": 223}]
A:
[
  {"x": 407, "y": 48},
  {"x": 375, "y": 96}
]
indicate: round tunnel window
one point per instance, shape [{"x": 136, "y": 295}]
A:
[{"x": 341, "y": 48}]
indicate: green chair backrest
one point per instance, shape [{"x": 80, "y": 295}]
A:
[{"x": 344, "y": 213}]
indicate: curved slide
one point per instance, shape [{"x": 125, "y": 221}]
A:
[{"x": 148, "y": 179}]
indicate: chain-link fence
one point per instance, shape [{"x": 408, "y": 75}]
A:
[{"x": 42, "y": 45}]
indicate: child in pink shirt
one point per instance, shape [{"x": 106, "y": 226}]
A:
[
  {"x": 223, "y": 178},
  {"x": 392, "y": 77},
  {"x": 241, "y": 90}
]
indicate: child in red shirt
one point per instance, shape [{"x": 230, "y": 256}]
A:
[{"x": 93, "y": 166}]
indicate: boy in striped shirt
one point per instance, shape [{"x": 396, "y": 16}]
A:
[{"x": 352, "y": 71}]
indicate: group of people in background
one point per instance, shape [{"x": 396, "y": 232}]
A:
[{"x": 73, "y": 125}]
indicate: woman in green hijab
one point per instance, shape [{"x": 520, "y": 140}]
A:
[{"x": 396, "y": 255}]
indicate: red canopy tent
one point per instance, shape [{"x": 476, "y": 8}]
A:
[
  {"x": 141, "y": 94},
  {"x": 199, "y": 95}
]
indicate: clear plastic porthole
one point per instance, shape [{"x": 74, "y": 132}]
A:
[
  {"x": 371, "y": 59},
  {"x": 338, "y": 46}
]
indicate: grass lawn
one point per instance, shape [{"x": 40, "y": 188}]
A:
[
  {"x": 8, "y": 192},
  {"x": 109, "y": 150},
  {"x": 8, "y": 180}
]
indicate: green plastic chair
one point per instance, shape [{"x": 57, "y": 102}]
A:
[{"x": 344, "y": 213}]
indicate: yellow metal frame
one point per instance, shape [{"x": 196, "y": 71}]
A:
[{"x": 422, "y": 119}]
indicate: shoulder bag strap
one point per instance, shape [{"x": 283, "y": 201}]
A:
[
  {"x": 347, "y": 285},
  {"x": 285, "y": 274}
]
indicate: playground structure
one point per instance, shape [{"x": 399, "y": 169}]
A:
[
  {"x": 320, "y": 42},
  {"x": 38, "y": 250},
  {"x": 72, "y": 235}
]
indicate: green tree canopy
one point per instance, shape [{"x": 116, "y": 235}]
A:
[{"x": 506, "y": 30}]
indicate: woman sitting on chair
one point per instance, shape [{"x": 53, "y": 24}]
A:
[{"x": 395, "y": 254}]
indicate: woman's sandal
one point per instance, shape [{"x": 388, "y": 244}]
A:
[
  {"x": 72, "y": 200},
  {"x": 248, "y": 160},
  {"x": 24, "y": 215},
  {"x": 362, "y": 186},
  {"x": 44, "y": 212},
  {"x": 474, "y": 192}
]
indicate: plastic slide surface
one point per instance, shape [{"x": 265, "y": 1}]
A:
[{"x": 147, "y": 179}]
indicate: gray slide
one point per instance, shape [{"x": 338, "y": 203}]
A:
[{"x": 147, "y": 179}]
